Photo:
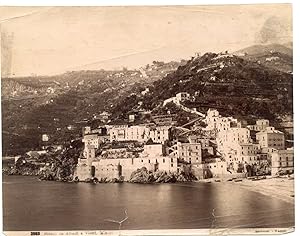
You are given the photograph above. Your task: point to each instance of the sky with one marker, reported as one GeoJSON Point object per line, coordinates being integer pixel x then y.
{"type": "Point", "coordinates": [53, 40]}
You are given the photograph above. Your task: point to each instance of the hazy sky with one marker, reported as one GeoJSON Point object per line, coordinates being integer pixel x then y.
{"type": "Point", "coordinates": [52, 40]}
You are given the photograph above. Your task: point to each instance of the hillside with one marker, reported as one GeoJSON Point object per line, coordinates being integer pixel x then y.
{"type": "Point", "coordinates": [61, 105]}
{"type": "Point", "coordinates": [233, 85]}
{"type": "Point", "coordinates": [32, 106]}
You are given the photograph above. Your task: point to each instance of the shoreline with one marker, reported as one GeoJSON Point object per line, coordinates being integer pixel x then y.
{"type": "Point", "coordinates": [281, 188]}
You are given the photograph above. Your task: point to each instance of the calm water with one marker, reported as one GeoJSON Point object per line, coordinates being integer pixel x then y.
{"type": "Point", "coordinates": [30, 204]}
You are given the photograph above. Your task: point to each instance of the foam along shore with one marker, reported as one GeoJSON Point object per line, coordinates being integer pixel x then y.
{"type": "Point", "coordinates": [279, 187]}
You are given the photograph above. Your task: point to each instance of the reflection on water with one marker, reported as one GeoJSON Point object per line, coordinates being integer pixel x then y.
{"type": "Point", "coordinates": [30, 204]}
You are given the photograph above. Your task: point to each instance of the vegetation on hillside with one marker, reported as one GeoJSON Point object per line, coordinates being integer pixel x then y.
{"type": "Point", "coordinates": [61, 105]}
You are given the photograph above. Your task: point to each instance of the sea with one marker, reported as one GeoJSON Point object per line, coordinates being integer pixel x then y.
{"type": "Point", "coordinates": [30, 204]}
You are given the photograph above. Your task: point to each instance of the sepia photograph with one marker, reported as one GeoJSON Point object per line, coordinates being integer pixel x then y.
{"type": "Point", "coordinates": [147, 120]}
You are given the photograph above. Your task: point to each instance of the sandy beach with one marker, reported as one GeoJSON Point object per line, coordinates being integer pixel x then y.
{"type": "Point", "coordinates": [281, 188]}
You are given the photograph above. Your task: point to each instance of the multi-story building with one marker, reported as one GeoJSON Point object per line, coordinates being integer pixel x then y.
{"type": "Point", "coordinates": [136, 132]}
{"type": "Point", "coordinates": [215, 121]}
{"type": "Point", "coordinates": [225, 123]}
{"type": "Point", "coordinates": [260, 125]}
{"type": "Point", "coordinates": [211, 119]}
{"type": "Point", "coordinates": [271, 138]}
{"type": "Point", "coordinates": [159, 134]}
{"type": "Point", "coordinates": [189, 152]}
{"type": "Point", "coordinates": [231, 139]}
{"type": "Point", "coordinates": [118, 133]}
{"type": "Point", "coordinates": [140, 133]}
{"type": "Point", "coordinates": [207, 146]}
{"type": "Point", "coordinates": [247, 153]}
{"type": "Point", "coordinates": [91, 139]}
{"type": "Point", "coordinates": [282, 162]}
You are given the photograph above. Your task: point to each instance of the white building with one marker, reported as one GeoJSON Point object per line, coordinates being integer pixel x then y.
{"type": "Point", "coordinates": [232, 138]}
{"type": "Point", "coordinates": [140, 133]}
{"type": "Point", "coordinates": [45, 137]}
{"type": "Point", "coordinates": [212, 119]}
{"type": "Point", "coordinates": [118, 133]}
{"type": "Point", "coordinates": [215, 121]}
{"type": "Point", "coordinates": [180, 97]}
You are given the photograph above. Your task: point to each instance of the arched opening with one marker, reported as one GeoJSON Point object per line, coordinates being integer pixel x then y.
{"type": "Point", "coordinates": [93, 171]}
{"type": "Point", "coordinates": [119, 170]}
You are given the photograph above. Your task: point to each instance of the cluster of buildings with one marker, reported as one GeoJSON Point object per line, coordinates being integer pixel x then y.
{"type": "Point", "coordinates": [260, 144]}
{"type": "Point", "coordinates": [114, 151]}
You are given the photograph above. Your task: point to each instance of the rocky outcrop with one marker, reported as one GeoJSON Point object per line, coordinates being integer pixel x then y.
{"type": "Point", "coordinates": [8, 171]}
{"type": "Point", "coordinates": [144, 176]}
{"type": "Point", "coordinates": [102, 180]}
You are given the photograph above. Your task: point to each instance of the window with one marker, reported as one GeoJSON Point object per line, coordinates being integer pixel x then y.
{"type": "Point", "coordinates": [163, 160]}
{"type": "Point", "coordinates": [196, 158]}
{"type": "Point", "coordinates": [171, 165]}
{"type": "Point", "coordinates": [287, 163]}
{"type": "Point", "coordinates": [171, 159]}
{"type": "Point", "coordinates": [149, 161]}
{"type": "Point", "coordinates": [142, 160]}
